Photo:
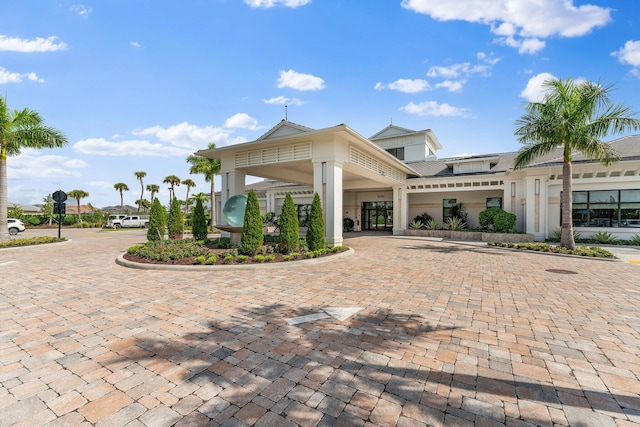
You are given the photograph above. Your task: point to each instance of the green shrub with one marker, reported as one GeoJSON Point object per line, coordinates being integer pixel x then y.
{"type": "Point", "coordinates": [264, 258]}
{"type": "Point", "coordinates": [347, 224]}
{"type": "Point", "coordinates": [199, 259]}
{"type": "Point", "coordinates": [213, 258]}
{"type": "Point", "coordinates": [635, 240]}
{"type": "Point", "coordinates": [504, 222]}
{"type": "Point", "coordinates": [604, 237]}
{"type": "Point", "coordinates": [157, 222]}
{"type": "Point", "coordinates": [200, 224]}
{"type": "Point", "coordinates": [455, 223]}
{"type": "Point", "coordinates": [223, 243]}
{"type": "Point", "coordinates": [289, 229]}
{"type": "Point", "coordinates": [242, 258]}
{"type": "Point", "coordinates": [432, 225]}
{"type": "Point", "coordinates": [169, 250]}
{"type": "Point", "coordinates": [175, 222]}
{"type": "Point", "coordinates": [28, 241]}
{"type": "Point", "coordinates": [415, 225]}
{"type": "Point", "coordinates": [252, 235]}
{"type": "Point", "coordinates": [228, 259]}
{"type": "Point", "coordinates": [486, 217]}
{"type": "Point", "coordinates": [32, 220]}
{"type": "Point", "coordinates": [315, 229]}
{"type": "Point", "coordinates": [423, 218]}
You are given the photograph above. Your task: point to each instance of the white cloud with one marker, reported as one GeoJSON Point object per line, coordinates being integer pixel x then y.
{"type": "Point", "coordinates": [432, 108]}
{"type": "Point", "coordinates": [406, 85]}
{"type": "Point", "coordinates": [282, 100]}
{"type": "Point", "coordinates": [185, 135]}
{"type": "Point", "coordinates": [241, 121]}
{"type": "Point", "coordinates": [519, 23]}
{"type": "Point", "coordinates": [273, 3]}
{"type": "Point", "coordinates": [7, 76]}
{"type": "Point", "coordinates": [135, 44]}
{"type": "Point", "coordinates": [80, 9]}
{"type": "Point", "coordinates": [39, 44]}
{"type": "Point", "coordinates": [300, 81]}
{"type": "Point", "coordinates": [101, 184]}
{"type": "Point", "coordinates": [456, 70]}
{"type": "Point", "coordinates": [534, 92]}
{"type": "Point", "coordinates": [137, 148]}
{"type": "Point", "coordinates": [629, 54]}
{"type": "Point", "coordinates": [452, 85]}
{"type": "Point", "coordinates": [30, 165]}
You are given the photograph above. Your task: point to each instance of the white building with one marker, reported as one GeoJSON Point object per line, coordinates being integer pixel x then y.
{"type": "Point", "coordinates": [384, 181]}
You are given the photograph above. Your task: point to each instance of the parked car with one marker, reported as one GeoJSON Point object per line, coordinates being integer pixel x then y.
{"type": "Point", "coordinates": [15, 226]}
{"type": "Point", "coordinates": [113, 219]}
{"type": "Point", "coordinates": [132, 221]}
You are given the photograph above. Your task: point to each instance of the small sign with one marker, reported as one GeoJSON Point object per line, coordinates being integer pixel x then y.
{"type": "Point", "coordinates": [59, 196]}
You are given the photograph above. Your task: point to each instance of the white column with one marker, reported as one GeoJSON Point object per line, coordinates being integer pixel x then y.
{"type": "Point", "coordinates": [333, 200]}
{"type": "Point", "coordinates": [400, 209]}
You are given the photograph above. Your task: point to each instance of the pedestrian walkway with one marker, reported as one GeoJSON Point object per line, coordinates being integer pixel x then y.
{"type": "Point", "coordinates": [403, 332]}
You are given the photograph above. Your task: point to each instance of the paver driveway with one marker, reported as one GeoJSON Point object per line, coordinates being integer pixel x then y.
{"type": "Point", "coordinates": [448, 335]}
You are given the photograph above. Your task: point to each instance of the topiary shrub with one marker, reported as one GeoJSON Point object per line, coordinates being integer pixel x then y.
{"type": "Point", "coordinates": [200, 224]}
{"type": "Point", "coordinates": [175, 222]}
{"type": "Point", "coordinates": [486, 217]}
{"type": "Point", "coordinates": [347, 224]}
{"type": "Point", "coordinates": [289, 229]}
{"type": "Point", "coordinates": [252, 235]}
{"type": "Point", "coordinates": [315, 229]}
{"type": "Point", "coordinates": [504, 222]}
{"type": "Point", "coordinates": [157, 222]}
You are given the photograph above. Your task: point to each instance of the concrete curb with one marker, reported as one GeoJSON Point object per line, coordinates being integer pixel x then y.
{"type": "Point", "coordinates": [264, 266]}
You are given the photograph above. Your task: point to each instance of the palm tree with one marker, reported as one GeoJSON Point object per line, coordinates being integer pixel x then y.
{"type": "Point", "coordinates": [573, 116]}
{"type": "Point", "coordinates": [121, 187]}
{"type": "Point", "coordinates": [143, 203]}
{"type": "Point", "coordinates": [20, 129]}
{"type": "Point", "coordinates": [140, 175]}
{"type": "Point", "coordinates": [173, 182]}
{"type": "Point", "coordinates": [209, 168]}
{"type": "Point", "coordinates": [190, 184]}
{"type": "Point", "coordinates": [78, 194]}
{"type": "Point", "coordinates": [153, 188]}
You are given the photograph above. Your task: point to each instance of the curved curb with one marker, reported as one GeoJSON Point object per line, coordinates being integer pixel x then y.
{"type": "Point", "coordinates": [258, 266]}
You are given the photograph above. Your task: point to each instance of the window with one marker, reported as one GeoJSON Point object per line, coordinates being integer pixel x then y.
{"type": "Point", "coordinates": [397, 152]}
{"type": "Point", "coordinates": [494, 202]}
{"type": "Point", "coordinates": [448, 207]}
{"type": "Point", "coordinates": [609, 208]}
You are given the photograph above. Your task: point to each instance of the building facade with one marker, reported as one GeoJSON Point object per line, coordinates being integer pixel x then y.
{"type": "Point", "coordinates": [383, 182]}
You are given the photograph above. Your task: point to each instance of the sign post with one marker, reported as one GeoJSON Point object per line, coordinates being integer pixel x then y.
{"type": "Point", "coordinates": [59, 197]}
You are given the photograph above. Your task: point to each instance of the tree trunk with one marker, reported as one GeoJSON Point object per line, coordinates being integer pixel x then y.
{"type": "Point", "coordinates": [567, 240]}
{"type": "Point", "coordinates": [4, 225]}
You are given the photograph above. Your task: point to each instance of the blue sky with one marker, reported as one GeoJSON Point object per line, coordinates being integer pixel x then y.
{"type": "Point", "coordinates": [139, 85]}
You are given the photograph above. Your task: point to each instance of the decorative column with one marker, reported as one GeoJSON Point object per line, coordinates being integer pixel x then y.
{"type": "Point", "coordinates": [232, 184]}
{"type": "Point", "coordinates": [327, 182]}
{"type": "Point", "coordinates": [400, 209]}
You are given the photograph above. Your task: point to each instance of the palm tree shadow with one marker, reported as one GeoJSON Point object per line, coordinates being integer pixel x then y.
{"type": "Point", "coordinates": [256, 347]}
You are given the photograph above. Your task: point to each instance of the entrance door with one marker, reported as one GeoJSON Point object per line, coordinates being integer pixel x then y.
{"type": "Point", "coordinates": [377, 216]}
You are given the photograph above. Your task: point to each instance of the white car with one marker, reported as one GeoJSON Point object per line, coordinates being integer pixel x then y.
{"type": "Point", "coordinates": [15, 226]}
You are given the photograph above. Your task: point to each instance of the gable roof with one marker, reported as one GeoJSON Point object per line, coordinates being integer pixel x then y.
{"type": "Point", "coordinates": [284, 128]}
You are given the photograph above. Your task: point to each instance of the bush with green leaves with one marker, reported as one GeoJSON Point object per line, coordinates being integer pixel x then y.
{"type": "Point", "coordinates": [252, 235]}
{"type": "Point", "coordinates": [175, 223]}
{"type": "Point", "coordinates": [486, 217]}
{"type": "Point", "coordinates": [169, 250]}
{"type": "Point", "coordinates": [315, 229]}
{"type": "Point", "coordinates": [347, 224]}
{"type": "Point", "coordinates": [200, 224]}
{"type": "Point", "coordinates": [604, 238]}
{"type": "Point", "coordinates": [423, 218]}
{"type": "Point", "coordinates": [157, 222]}
{"type": "Point", "coordinates": [589, 251]}
{"type": "Point", "coordinates": [455, 223]}
{"type": "Point", "coordinates": [432, 225]}
{"type": "Point", "coordinates": [415, 225]}
{"type": "Point", "coordinates": [289, 229]}
{"type": "Point", "coordinates": [635, 240]}
{"type": "Point", "coordinates": [504, 222]}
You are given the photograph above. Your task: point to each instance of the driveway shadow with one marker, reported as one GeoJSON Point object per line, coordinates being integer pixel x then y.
{"type": "Point", "coordinates": [255, 356]}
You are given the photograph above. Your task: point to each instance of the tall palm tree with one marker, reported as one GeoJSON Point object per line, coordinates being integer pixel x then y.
{"type": "Point", "coordinates": [121, 187]}
{"type": "Point", "coordinates": [573, 116]}
{"type": "Point", "coordinates": [78, 194]}
{"type": "Point", "coordinates": [209, 168]}
{"type": "Point", "coordinates": [20, 129]}
{"type": "Point", "coordinates": [143, 203]}
{"type": "Point", "coordinates": [140, 175]}
{"type": "Point", "coordinates": [153, 188]}
{"type": "Point", "coordinates": [173, 182]}
{"type": "Point", "coordinates": [190, 184]}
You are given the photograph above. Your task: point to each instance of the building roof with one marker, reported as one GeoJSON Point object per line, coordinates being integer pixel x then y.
{"type": "Point", "coordinates": [628, 148]}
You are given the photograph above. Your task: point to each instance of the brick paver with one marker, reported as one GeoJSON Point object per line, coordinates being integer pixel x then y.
{"type": "Point", "coordinates": [449, 334]}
